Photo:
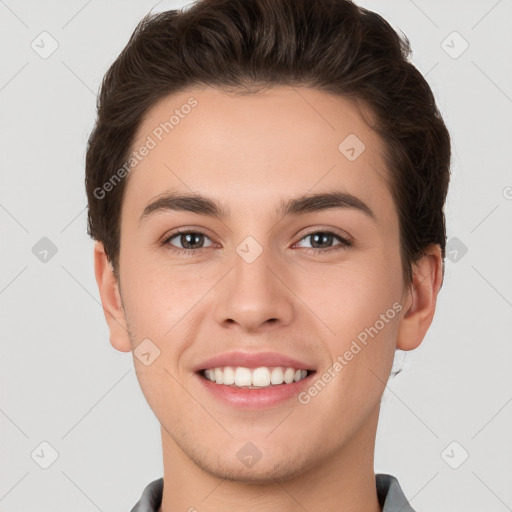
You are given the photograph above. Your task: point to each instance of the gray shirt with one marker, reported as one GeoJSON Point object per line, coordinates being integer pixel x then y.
{"type": "Point", "coordinates": [389, 493]}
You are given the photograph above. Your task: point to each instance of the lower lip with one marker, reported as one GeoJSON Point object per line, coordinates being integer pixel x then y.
{"type": "Point", "coordinates": [256, 398]}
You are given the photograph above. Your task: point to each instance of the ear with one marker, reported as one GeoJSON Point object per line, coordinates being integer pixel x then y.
{"type": "Point", "coordinates": [420, 301]}
{"type": "Point", "coordinates": [111, 300]}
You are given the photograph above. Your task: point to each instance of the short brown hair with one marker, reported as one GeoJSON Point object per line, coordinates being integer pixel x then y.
{"type": "Point", "coordinates": [247, 45]}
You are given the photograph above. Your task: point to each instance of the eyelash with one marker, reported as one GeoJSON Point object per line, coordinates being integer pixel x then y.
{"type": "Point", "coordinates": [190, 252]}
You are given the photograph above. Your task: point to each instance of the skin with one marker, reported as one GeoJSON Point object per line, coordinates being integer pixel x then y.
{"type": "Point", "coordinates": [250, 152]}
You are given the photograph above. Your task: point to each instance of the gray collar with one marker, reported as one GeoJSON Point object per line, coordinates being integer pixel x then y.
{"type": "Point", "coordinates": [389, 493]}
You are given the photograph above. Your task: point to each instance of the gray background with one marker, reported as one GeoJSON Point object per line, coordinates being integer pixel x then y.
{"type": "Point", "coordinates": [63, 384]}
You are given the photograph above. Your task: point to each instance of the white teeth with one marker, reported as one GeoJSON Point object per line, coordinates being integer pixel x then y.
{"type": "Point", "coordinates": [242, 376]}
{"type": "Point", "coordinates": [229, 375]}
{"type": "Point", "coordinates": [276, 377]}
{"type": "Point", "coordinates": [297, 376]}
{"type": "Point", "coordinates": [261, 377]}
{"type": "Point", "coordinates": [288, 375]}
{"type": "Point", "coordinates": [255, 377]}
{"type": "Point", "coordinates": [219, 375]}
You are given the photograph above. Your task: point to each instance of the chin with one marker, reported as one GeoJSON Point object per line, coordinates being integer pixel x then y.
{"type": "Point", "coordinates": [264, 471]}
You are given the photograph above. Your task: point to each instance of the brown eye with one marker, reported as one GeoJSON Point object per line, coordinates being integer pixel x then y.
{"type": "Point", "coordinates": [322, 241]}
{"type": "Point", "coordinates": [189, 241]}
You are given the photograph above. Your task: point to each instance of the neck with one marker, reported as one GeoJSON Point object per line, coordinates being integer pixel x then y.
{"type": "Point", "coordinates": [344, 481]}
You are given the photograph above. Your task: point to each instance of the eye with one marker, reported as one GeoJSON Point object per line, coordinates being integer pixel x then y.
{"type": "Point", "coordinates": [321, 239]}
{"type": "Point", "coordinates": [194, 241]}
{"type": "Point", "coordinates": [190, 241]}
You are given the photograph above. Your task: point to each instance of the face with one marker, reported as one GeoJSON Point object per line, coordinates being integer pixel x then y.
{"type": "Point", "coordinates": [319, 282]}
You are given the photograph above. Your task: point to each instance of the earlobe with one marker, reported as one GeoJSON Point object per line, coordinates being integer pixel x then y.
{"type": "Point", "coordinates": [421, 299]}
{"type": "Point", "coordinates": [111, 300]}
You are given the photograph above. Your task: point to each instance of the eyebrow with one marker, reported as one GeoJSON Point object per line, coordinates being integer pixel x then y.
{"type": "Point", "coordinates": [202, 205]}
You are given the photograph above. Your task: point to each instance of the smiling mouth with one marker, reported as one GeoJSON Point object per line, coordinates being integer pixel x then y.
{"type": "Point", "coordinates": [254, 378]}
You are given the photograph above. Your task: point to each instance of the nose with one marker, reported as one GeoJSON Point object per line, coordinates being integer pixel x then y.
{"type": "Point", "coordinates": [254, 295]}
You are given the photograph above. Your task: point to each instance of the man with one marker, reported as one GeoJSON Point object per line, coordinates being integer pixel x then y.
{"type": "Point", "coordinates": [266, 183]}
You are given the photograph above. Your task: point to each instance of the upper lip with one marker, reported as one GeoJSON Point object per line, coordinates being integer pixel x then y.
{"type": "Point", "coordinates": [252, 360]}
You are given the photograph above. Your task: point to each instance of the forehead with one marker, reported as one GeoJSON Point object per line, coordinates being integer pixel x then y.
{"type": "Point", "coordinates": [254, 147]}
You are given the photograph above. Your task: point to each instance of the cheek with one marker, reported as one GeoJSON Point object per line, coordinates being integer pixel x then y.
{"type": "Point", "coordinates": [162, 303]}
{"type": "Point", "coordinates": [150, 288]}
{"type": "Point", "coordinates": [156, 305]}
{"type": "Point", "coordinates": [361, 307]}
{"type": "Point", "coordinates": [352, 295]}
{"type": "Point", "coordinates": [362, 310]}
